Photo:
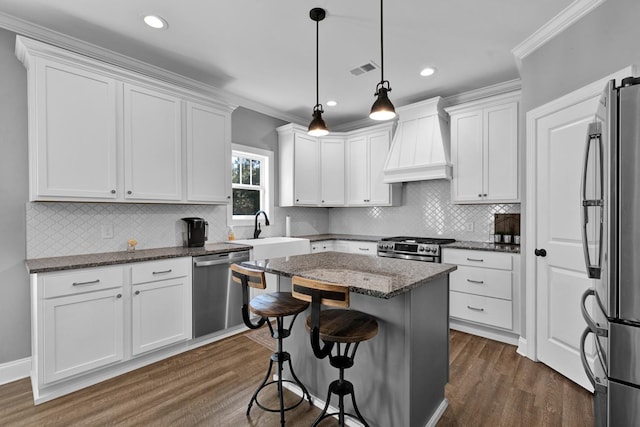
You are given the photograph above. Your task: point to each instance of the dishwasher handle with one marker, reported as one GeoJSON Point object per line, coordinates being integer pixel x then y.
{"type": "Point", "coordinates": [221, 259]}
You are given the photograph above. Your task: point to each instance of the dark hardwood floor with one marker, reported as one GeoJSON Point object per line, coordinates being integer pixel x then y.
{"type": "Point", "coordinates": [490, 385]}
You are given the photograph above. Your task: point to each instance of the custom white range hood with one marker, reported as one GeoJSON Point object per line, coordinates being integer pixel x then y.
{"type": "Point", "coordinates": [420, 149]}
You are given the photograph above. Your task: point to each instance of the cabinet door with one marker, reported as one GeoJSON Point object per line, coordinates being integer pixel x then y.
{"type": "Point", "coordinates": [467, 157]}
{"type": "Point", "coordinates": [379, 192]}
{"type": "Point", "coordinates": [82, 332]}
{"type": "Point", "coordinates": [332, 172]}
{"type": "Point", "coordinates": [73, 154]}
{"type": "Point", "coordinates": [363, 248]}
{"type": "Point", "coordinates": [161, 314]}
{"type": "Point", "coordinates": [307, 170]}
{"type": "Point", "coordinates": [501, 153]}
{"type": "Point", "coordinates": [208, 154]}
{"type": "Point", "coordinates": [358, 171]}
{"type": "Point", "coordinates": [153, 145]}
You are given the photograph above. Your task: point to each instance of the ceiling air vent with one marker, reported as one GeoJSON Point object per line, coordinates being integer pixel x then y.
{"type": "Point", "coordinates": [365, 68]}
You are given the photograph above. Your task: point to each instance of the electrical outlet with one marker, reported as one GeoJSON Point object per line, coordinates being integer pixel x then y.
{"type": "Point", "coordinates": [469, 226]}
{"type": "Point", "coordinates": [107, 231]}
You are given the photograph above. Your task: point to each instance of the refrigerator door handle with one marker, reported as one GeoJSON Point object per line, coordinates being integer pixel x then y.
{"type": "Point", "coordinates": [594, 133]}
{"type": "Point", "coordinates": [595, 382]}
{"type": "Point", "coordinates": [599, 331]}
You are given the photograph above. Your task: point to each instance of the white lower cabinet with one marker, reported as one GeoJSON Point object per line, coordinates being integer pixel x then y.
{"type": "Point", "coordinates": [82, 332]}
{"type": "Point", "coordinates": [92, 318]}
{"type": "Point", "coordinates": [161, 308]}
{"type": "Point", "coordinates": [485, 288]}
{"type": "Point", "coordinates": [346, 246]}
{"type": "Point", "coordinates": [363, 248]}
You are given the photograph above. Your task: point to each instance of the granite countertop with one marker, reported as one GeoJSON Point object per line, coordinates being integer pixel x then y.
{"type": "Point", "coordinates": [369, 275]}
{"type": "Point", "coordinates": [43, 265]}
{"type": "Point", "coordinates": [354, 237]}
{"type": "Point", "coordinates": [484, 246]}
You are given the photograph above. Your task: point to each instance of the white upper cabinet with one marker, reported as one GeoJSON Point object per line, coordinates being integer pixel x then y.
{"type": "Point", "coordinates": [99, 133]}
{"type": "Point", "coordinates": [153, 145]}
{"type": "Point", "coordinates": [208, 154]}
{"type": "Point", "coordinates": [73, 133]}
{"type": "Point", "coordinates": [307, 171]}
{"type": "Point", "coordinates": [484, 150]}
{"type": "Point", "coordinates": [332, 172]}
{"type": "Point", "coordinates": [366, 155]}
{"type": "Point", "coordinates": [343, 169]}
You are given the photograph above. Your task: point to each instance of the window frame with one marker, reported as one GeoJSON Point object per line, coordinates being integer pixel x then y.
{"type": "Point", "coordinates": [267, 179]}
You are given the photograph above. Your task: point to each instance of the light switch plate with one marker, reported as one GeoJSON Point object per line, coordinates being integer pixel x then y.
{"type": "Point", "coordinates": [107, 231]}
{"type": "Point", "coordinates": [469, 226]}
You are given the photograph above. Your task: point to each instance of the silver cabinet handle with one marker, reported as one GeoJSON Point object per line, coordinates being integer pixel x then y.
{"type": "Point", "coordinates": [475, 308]}
{"type": "Point", "coordinates": [162, 272]}
{"type": "Point", "coordinates": [475, 259]}
{"type": "Point", "coordinates": [363, 249]}
{"type": "Point", "coordinates": [86, 283]}
{"type": "Point", "coordinates": [479, 282]}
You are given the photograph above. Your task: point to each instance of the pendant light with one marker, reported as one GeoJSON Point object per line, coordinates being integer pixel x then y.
{"type": "Point", "coordinates": [317, 127]}
{"type": "Point", "coordinates": [382, 108]}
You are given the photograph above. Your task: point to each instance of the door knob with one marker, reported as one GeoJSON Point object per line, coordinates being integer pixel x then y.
{"type": "Point", "coordinates": [540, 252]}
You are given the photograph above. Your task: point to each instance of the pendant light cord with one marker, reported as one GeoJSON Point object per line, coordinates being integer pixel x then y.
{"type": "Point", "coordinates": [381, 44]}
{"type": "Point", "coordinates": [317, 63]}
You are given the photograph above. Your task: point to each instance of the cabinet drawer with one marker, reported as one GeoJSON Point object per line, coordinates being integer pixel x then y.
{"type": "Point", "coordinates": [364, 248]}
{"type": "Point", "coordinates": [481, 281]}
{"type": "Point", "coordinates": [485, 259]}
{"type": "Point", "coordinates": [160, 270]}
{"type": "Point", "coordinates": [490, 311]}
{"type": "Point", "coordinates": [83, 280]}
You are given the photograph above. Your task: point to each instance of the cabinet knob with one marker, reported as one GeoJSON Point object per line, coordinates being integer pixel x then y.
{"type": "Point", "coordinates": [113, 191]}
{"type": "Point", "coordinates": [484, 195]}
{"type": "Point", "coordinates": [119, 296]}
{"type": "Point", "coordinates": [323, 201]}
{"type": "Point", "coordinates": [129, 192]}
{"type": "Point", "coordinates": [228, 197]}
{"type": "Point", "coordinates": [137, 292]}
{"type": "Point", "coordinates": [297, 200]}
{"type": "Point", "coordinates": [479, 195]}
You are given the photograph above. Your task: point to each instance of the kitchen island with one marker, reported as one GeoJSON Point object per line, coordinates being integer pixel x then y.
{"type": "Point", "coordinates": [399, 376]}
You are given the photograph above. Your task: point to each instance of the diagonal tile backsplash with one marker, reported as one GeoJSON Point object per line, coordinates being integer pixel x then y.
{"type": "Point", "coordinates": [58, 229]}
{"type": "Point", "coordinates": [426, 211]}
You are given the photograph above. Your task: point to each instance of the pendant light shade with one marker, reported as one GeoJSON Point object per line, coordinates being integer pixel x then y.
{"type": "Point", "coordinates": [382, 108]}
{"type": "Point", "coordinates": [317, 127]}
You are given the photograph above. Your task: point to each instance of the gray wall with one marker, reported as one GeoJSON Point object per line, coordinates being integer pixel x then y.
{"type": "Point", "coordinates": [15, 341]}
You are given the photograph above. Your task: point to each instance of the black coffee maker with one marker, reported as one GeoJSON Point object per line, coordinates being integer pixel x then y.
{"type": "Point", "coordinates": [197, 232]}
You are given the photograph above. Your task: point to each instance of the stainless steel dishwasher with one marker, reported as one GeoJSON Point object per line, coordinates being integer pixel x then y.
{"type": "Point", "coordinates": [217, 301]}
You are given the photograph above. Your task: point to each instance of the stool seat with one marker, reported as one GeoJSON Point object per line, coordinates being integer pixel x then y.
{"type": "Point", "coordinates": [275, 304]}
{"type": "Point", "coordinates": [345, 326]}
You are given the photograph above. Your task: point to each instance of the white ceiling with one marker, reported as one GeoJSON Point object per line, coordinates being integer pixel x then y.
{"type": "Point", "coordinates": [265, 50]}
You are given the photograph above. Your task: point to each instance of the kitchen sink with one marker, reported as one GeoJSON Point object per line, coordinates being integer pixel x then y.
{"type": "Point", "coordinates": [275, 247]}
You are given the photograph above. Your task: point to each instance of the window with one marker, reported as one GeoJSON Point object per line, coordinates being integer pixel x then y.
{"type": "Point", "coordinates": [251, 183]}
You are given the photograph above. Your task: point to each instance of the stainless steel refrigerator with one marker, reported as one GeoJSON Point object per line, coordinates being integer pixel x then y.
{"type": "Point", "coordinates": [611, 237]}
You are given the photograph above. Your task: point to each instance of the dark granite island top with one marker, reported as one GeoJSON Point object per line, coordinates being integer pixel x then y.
{"type": "Point", "coordinates": [399, 375]}
{"type": "Point", "coordinates": [365, 274]}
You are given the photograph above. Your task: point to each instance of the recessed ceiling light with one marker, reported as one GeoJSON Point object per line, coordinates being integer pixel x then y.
{"type": "Point", "coordinates": [155, 21]}
{"type": "Point", "coordinates": [429, 71]}
{"type": "Point", "coordinates": [331, 103]}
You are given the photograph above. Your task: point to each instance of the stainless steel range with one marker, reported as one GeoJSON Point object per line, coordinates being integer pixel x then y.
{"type": "Point", "coordinates": [415, 248]}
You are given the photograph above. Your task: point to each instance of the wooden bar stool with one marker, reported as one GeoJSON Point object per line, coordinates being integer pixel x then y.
{"type": "Point", "coordinates": [336, 326]}
{"type": "Point", "coordinates": [276, 305]}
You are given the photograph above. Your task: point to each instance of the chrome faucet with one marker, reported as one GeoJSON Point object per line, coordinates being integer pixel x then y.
{"type": "Point", "coordinates": [256, 224]}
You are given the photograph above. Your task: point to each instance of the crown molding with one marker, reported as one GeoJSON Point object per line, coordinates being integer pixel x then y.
{"type": "Point", "coordinates": [509, 86]}
{"type": "Point", "coordinates": [563, 20]}
{"type": "Point", "coordinates": [57, 39]}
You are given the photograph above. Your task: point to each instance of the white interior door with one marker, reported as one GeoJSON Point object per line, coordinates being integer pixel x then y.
{"type": "Point", "coordinates": [561, 274]}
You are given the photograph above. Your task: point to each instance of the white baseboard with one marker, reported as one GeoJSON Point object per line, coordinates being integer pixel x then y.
{"type": "Point", "coordinates": [522, 347]}
{"type": "Point", "coordinates": [15, 370]}
{"type": "Point", "coordinates": [438, 414]}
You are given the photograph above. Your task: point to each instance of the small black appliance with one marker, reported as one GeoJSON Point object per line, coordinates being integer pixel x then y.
{"type": "Point", "coordinates": [197, 232]}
